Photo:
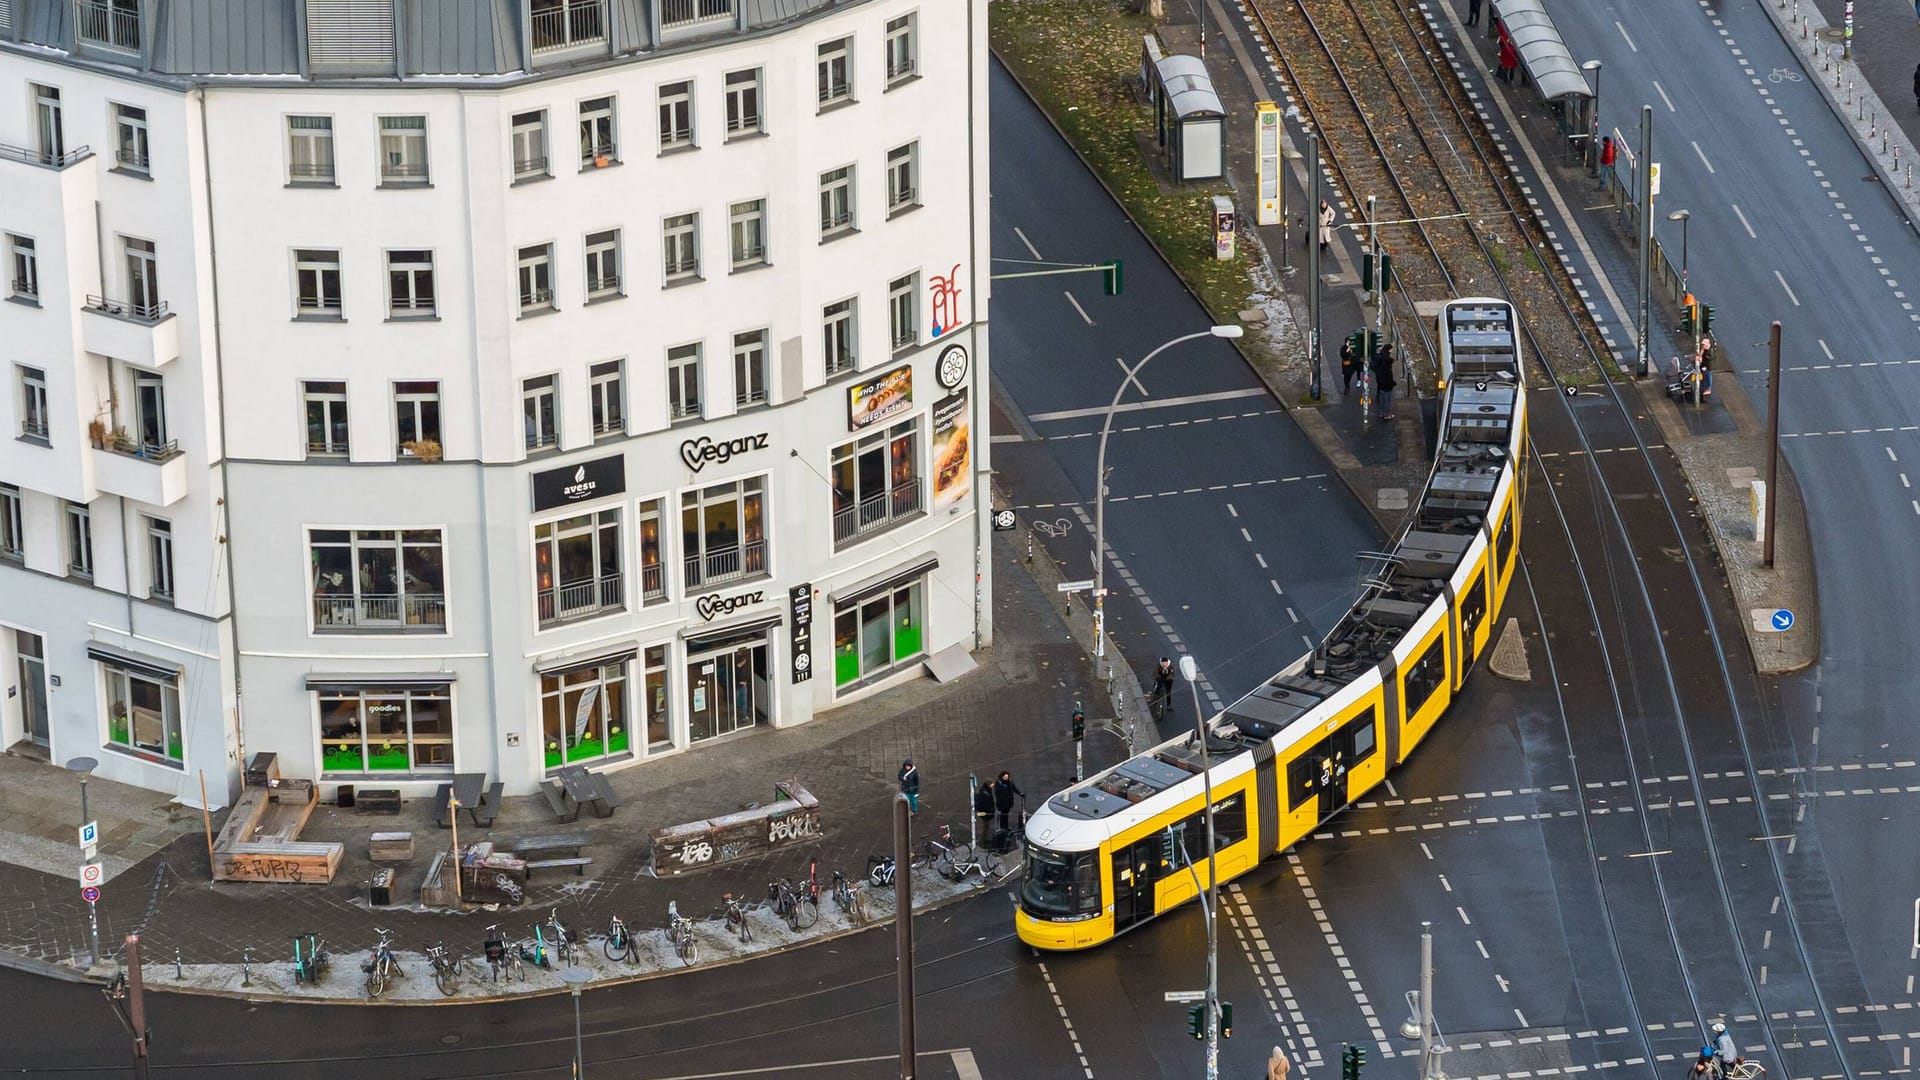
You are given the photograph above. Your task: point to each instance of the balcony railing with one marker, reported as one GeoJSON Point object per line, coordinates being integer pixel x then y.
{"type": "Point", "coordinates": [540, 440]}
{"type": "Point", "coordinates": [675, 14]}
{"type": "Point", "coordinates": [310, 170]}
{"type": "Point", "coordinates": [131, 158]}
{"type": "Point", "coordinates": [127, 309]}
{"type": "Point", "coordinates": [123, 443]}
{"type": "Point", "coordinates": [101, 22]}
{"type": "Point", "coordinates": [877, 512]}
{"type": "Point", "coordinates": [344, 611]}
{"type": "Point", "coordinates": [26, 288]}
{"type": "Point", "coordinates": [34, 427]}
{"type": "Point", "coordinates": [727, 563]}
{"type": "Point", "coordinates": [403, 172]}
{"type": "Point", "coordinates": [562, 24]}
{"type": "Point", "coordinates": [653, 584]}
{"type": "Point", "coordinates": [682, 268]}
{"type": "Point", "coordinates": [603, 286]}
{"type": "Point", "coordinates": [580, 599]}
{"type": "Point", "coordinates": [750, 394]}
{"type": "Point", "coordinates": [27, 156]}
{"type": "Point", "coordinates": [526, 168]}
{"type": "Point", "coordinates": [537, 298]}
{"type": "Point", "coordinates": [598, 153]}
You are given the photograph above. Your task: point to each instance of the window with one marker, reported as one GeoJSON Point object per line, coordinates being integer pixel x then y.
{"type": "Point", "coordinates": [722, 532]}
{"type": "Point", "coordinates": [536, 278]}
{"type": "Point", "coordinates": [680, 245]}
{"type": "Point", "coordinates": [26, 268]}
{"type": "Point", "coordinates": [159, 559]}
{"type": "Point", "coordinates": [49, 129]}
{"type": "Point", "coordinates": [877, 635]}
{"type": "Point", "coordinates": [1503, 544]}
{"type": "Point", "coordinates": [536, 412]}
{"type": "Point", "coordinates": [576, 567]}
{"type": "Point", "coordinates": [143, 712]}
{"type": "Point", "coordinates": [310, 150]}
{"type": "Point", "coordinates": [903, 177]}
{"type": "Point", "coordinates": [609, 398]}
{"type": "Point", "coordinates": [409, 284]}
{"type": "Point", "coordinates": [743, 102]}
{"type": "Point", "coordinates": [903, 317]}
{"type": "Point", "coordinates": [683, 382]}
{"type": "Point", "coordinates": [603, 264]}
{"type": "Point", "coordinates": [326, 405]}
{"type": "Point", "coordinates": [836, 202]}
{"type": "Point", "coordinates": [377, 579]}
{"type": "Point", "coordinates": [1473, 608]}
{"type": "Point", "coordinates": [130, 137]}
{"type": "Point", "coordinates": [143, 278]}
{"type": "Point", "coordinates": [79, 541]}
{"type": "Point", "coordinates": [561, 24]}
{"type": "Point", "coordinates": [34, 417]}
{"type": "Point", "coordinates": [416, 408]}
{"type": "Point", "coordinates": [653, 580]}
{"type": "Point", "coordinates": [316, 280]}
{"type": "Point", "coordinates": [403, 150]}
{"type": "Point", "coordinates": [530, 146]}
{"type": "Point", "coordinates": [750, 368]}
{"type": "Point", "coordinates": [596, 133]}
{"type": "Point", "coordinates": [876, 481]}
{"type": "Point", "coordinates": [13, 533]}
{"type": "Point", "coordinates": [675, 14]}
{"type": "Point", "coordinates": [835, 73]}
{"type": "Point", "coordinates": [676, 115]}
{"type": "Point", "coordinates": [113, 23]}
{"type": "Point", "coordinates": [903, 59]}
{"type": "Point", "coordinates": [747, 222]}
{"type": "Point", "coordinates": [838, 346]}
{"type": "Point", "coordinates": [386, 729]}
{"type": "Point", "coordinates": [583, 714]}
{"type": "Point", "coordinates": [149, 417]}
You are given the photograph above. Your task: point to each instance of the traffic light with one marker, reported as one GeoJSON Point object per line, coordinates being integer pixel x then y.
{"type": "Point", "coordinates": [1366, 271]}
{"type": "Point", "coordinates": [1226, 1019]}
{"type": "Point", "coordinates": [1686, 314]}
{"type": "Point", "coordinates": [1079, 724]}
{"type": "Point", "coordinates": [1351, 1060]}
{"type": "Point", "coordinates": [1706, 318]}
{"type": "Point", "coordinates": [1197, 1021]}
{"type": "Point", "coordinates": [1110, 278]}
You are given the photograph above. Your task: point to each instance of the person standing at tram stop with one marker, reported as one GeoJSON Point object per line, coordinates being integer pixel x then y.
{"type": "Point", "coordinates": [910, 785]}
{"type": "Point", "coordinates": [983, 812]}
{"type": "Point", "coordinates": [1004, 789]}
{"type": "Point", "coordinates": [1705, 359]}
{"type": "Point", "coordinates": [1509, 59]}
{"type": "Point", "coordinates": [1349, 366]}
{"type": "Point", "coordinates": [1383, 381]}
{"type": "Point", "coordinates": [1326, 225]}
{"type": "Point", "coordinates": [1473, 12]}
{"type": "Point", "coordinates": [1607, 155]}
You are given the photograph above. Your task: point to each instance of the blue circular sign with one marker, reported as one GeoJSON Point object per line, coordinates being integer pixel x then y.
{"type": "Point", "coordinates": [91, 894]}
{"type": "Point", "coordinates": [1782, 619]}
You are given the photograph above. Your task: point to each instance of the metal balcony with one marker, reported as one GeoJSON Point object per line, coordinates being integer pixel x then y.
{"type": "Point", "coordinates": [154, 475]}
{"type": "Point", "coordinates": [877, 513]}
{"type": "Point", "coordinates": [143, 334]}
{"type": "Point", "coordinates": [722, 565]}
{"type": "Point", "coordinates": [28, 156]}
{"type": "Point", "coordinates": [580, 600]}
{"type": "Point", "coordinates": [344, 612]}
{"type": "Point", "coordinates": [678, 14]}
{"type": "Point", "coordinates": [114, 24]}
{"type": "Point", "coordinates": [566, 24]}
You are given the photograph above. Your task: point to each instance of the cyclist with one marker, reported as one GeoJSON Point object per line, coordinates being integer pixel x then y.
{"type": "Point", "coordinates": [1163, 688]}
{"type": "Point", "coordinates": [1719, 1057]}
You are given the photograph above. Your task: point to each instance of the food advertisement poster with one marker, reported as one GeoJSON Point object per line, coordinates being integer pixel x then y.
{"type": "Point", "coordinates": [891, 394]}
{"type": "Point", "coordinates": [952, 450]}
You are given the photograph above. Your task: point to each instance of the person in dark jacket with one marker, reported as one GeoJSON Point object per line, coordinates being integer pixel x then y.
{"type": "Point", "coordinates": [1163, 689]}
{"type": "Point", "coordinates": [1383, 380]}
{"type": "Point", "coordinates": [1004, 789]}
{"type": "Point", "coordinates": [1349, 366]}
{"type": "Point", "coordinates": [910, 785]}
{"type": "Point", "coordinates": [1916, 85]}
{"type": "Point", "coordinates": [983, 813]}
{"type": "Point", "coordinates": [1473, 12]}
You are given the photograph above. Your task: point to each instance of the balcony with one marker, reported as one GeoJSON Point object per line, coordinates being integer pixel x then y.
{"type": "Point", "coordinates": [681, 14]}
{"type": "Point", "coordinates": [653, 584]}
{"type": "Point", "coordinates": [338, 613]}
{"type": "Point", "coordinates": [876, 513]}
{"type": "Point", "coordinates": [143, 334]}
{"type": "Point", "coordinates": [155, 475]}
{"type": "Point", "coordinates": [580, 600]}
{"type": "Point", "coordinates": [568, 24]}
{"type": "Point", "coordinates": [27, 156]}
{"type": "Point", "coordinates": [721, 565]}
{"type": "Point", "coordinates": [112, 24]}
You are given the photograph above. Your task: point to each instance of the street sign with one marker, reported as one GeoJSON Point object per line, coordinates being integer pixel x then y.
{"type": "Point", "coordinates": [91, 894]}
{"type": "Point", "coordinates": [1186, 997]}
{"type": "Point", "coordinates": [1782, 619]}
{"type": "Point", "coordinates": [1003, 520]}
{"type": "Point", "coordinates": [1074, 586]}
{"type": "Point", "coordinates": [89, 834]}
{"type": "Point", "coordinates": [92, 873]}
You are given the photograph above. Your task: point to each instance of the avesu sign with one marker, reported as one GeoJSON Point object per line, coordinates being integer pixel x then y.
{"type": "Point", "coordinates": [581, 486]}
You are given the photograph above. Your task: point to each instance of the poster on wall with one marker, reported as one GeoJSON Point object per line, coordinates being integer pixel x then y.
{"type": "Point", "coordinates": [877, 399]}
{"type": "Point", "coordinates": [952, 450]}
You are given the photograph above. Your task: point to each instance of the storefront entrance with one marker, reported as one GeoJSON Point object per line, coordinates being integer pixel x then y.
{"type": "Point", "coordinates": [727, 686]}
{"type": "Point", "coordinates": [33, 686]}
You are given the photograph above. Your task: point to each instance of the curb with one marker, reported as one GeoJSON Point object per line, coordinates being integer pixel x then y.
{"type": "Point", "coordinates": [33, 965]}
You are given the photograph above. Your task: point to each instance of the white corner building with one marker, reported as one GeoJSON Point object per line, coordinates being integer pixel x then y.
{"type": "Point", "coordinates": [412, 387]}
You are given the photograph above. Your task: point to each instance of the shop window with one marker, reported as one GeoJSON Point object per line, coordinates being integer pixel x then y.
{"type": "Point", "coordinates": [876, 482]}
{"type": "Point", "coordinates": [576, 567]}
{"type": "Point", "coordinates": [143, 714]}
{"type": "Point", "coordinates": [584, 714]}
{"type": "Point", "coordinates": [386, 729]}
{"type": "Point", "coordinates": [723, 530]}
{"type": "Point", "coordinates": [377, 579]}
{"type": "Point", "coordinates": [653, 578]}
{"type": "Point", "coordinates": [659, 716]}
{"type": "Point", "coordinates": [877, 635]}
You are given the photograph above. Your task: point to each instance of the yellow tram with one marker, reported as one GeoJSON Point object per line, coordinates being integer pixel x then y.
{"type": "Point", "coordinates": [1121, 847]}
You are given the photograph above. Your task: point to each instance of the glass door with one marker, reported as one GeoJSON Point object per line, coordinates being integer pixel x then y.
{"type": "Point", "coordinates": [143, 278]}
{"type": "Point", "coordinates": [150, 407]}
{"type": "Point", "coordinates": [33, 684]}
{"type": "Point", "coordinates": [729, 690]}
{"type": "Point", "coordinates": [53, 142]}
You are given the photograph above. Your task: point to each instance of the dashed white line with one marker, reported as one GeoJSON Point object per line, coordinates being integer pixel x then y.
{"type": "Point", "coordinates": [1823, 347]}
{"type": "Point", "coordinates": [1031, 250]}
{"type": "Point", "coordinates": [1782, 278]}
{"type": "Point", "coordinates": [1086, 318]}
{"type": "Point", "coordinates": [1662, 91]}
{"type": "Point", "coordinates": [1625, 35]}
{"type": "Point", "coordinates": [1066, 1021]}
{"type": "Point", "coordinates": [1703, 157]}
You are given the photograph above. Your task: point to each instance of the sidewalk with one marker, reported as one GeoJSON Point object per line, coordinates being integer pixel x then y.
{"type": "Point", "coordinates": [1010, 713]}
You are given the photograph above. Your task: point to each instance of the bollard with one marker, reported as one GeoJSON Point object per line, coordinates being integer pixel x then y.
{"type": "Point", "coordinates": [1029, 546]}
{"type": "Point", "coordinates": [177, 973]}
{"type": "Point", "coordinates": [246, 972]}
{"type": "Point", "coordinates": [1909, 176]}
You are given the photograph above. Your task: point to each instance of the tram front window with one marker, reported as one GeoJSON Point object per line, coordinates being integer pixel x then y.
{"type": "Point", "coordinates": [1061, 885]}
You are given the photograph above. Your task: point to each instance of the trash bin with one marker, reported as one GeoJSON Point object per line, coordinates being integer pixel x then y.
{"type": "Point", "coordinates": [380, 889]}
{"type": "Point", "coordinates": [343, 798]}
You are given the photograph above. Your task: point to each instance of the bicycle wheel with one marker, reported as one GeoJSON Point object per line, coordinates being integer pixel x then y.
{"type": "Point", "coordinates": [376, 982]}
{"type": "Point", "coordinates": [613, 952]}
{"type": "Point", "coordinates": [448, 981]}
{"type": "Point", "coordinates": [961, 854]}
{"type": "Point", "coordinates": [805, 914]}
{"type": "Point", "coordinates": [687, 947]}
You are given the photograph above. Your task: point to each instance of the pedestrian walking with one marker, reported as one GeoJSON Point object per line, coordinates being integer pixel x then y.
{"type": "Point", "coordinates": [1473, 12]}
{"type": "Point", "coordinates": [983, 813]}
{"type": "Point", "coordinates": [1004, 790]}
{"type": "Point", "coordinates": [1163, 689]}
{"type": "Point", "coordinates": [1326, 225]}
{"type": "Point", "coordinates": [1607, 153]}
{"type": "Point", "coordinates": [1349, 365]}
{"type": "Point", "coordinates": [1705, 359]}
{"type": "Point", "coordinates": [910, 785]}
{"type": "Point", "coordinates": [1383, 381]}
{"type": "Point", "coordinates": [1916, 85]}
{"type": "Point", "coordinates": [1509, 60]}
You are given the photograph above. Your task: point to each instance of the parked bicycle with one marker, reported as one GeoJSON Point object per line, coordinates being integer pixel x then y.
{"type": "Point", "coordinates": [619, 944]}
{"type": "Point", "coordinates": [736, 915]}
{"type": "Point", "coordinates": [540, 951]}
{"type": "Point", "coordinates": [680, 932]}
{"type": "Point", "coordinates": [381, 967]}
{"type": "Point", "coordinates": [851, 896]}
{"type": "Point", "coordinates": [446, 968]}
{"type": "Point", "coordinates": [561, 940]}
{"type": "Point", "coordinates": [503, 956]}
{"type": "Point", "coordinates": [880, 871]}
{"type": "Point", "coordinates": [811, 892]}
{"type": "Point", "coordinates": [942, 852]}
{"type": "Point", "coordinates": [980, 862]}
{"type": "Point", "coordinates": [790, 903]}
{"type": "Point", "coordinates": [310, 958]}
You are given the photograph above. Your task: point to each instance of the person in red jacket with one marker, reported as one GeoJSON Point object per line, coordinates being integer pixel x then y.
{"type": "Point", "coordinates": [1509, 60]}
{"type": "Point", "coordinates": [1607, 154]}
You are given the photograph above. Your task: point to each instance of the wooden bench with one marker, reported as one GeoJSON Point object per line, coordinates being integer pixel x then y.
{"type": "Point", "coordinates": [489, 807]}
{"type": "Point", "coordinates": [377, 800]}
{"type": "Point", "coordinates": [578, 862]}
{"type": "Point", "coordinates": [564, 851]}
{"type": "Point", "coordinates": [437, 889]}
{"type": "Point", "coordinates": [292, 791]}
{"type": "Point", "coordinates": [567, 812]}
{"type": "Point", "coordinates": [390, 847]}
{"type": "Point", "coordinates": [294, 862]}
{"type": "Point", "coordinates": [603, 800]}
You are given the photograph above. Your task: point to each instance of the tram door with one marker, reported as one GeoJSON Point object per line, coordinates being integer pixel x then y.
{"type": "Point", "coordinates": [1337, 753]}
{"type": "Point", "coordinates": [1133, 877]}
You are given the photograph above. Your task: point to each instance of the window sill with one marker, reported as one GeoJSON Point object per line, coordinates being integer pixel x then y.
{"type": "Point", "coordinates": [35, 440]}
{"type": "Point", "coordinates": [404, 185]}
{"type": "Point", "coordinates": [605, 298]}
{"type": "Point", "coordinates": [679, 148]}
{"type": "Point", "coordinates": [751, 406]}
{"type": "Point", "coordinates": [836, 105]}
{"type": "Point", "coordinates": [902, 211]}
{"type": "Point", "coordinates": [582, 619]}
{"type": "Point", "coordinates": [902, 350]}
{"type": "Point", "coordinates": [535, 313]}
{"type": "Point", "coordinates": [748, 268]}
{"type": "Point", "coordinates": [896, 81]}
{"type": "Point", "coordinates": [841, 233]}
{"type": "Point", "coordinates": [25, 299]}
{"type": "Point", "coordinates": [367, 776]}
{"type": "Point", "coordinates": [530, 178]}
{"type": "Point", "coordinates": [682, 421]}
{"type": "Point", "coordinates": [589, 166]}
{"type": "Point", "coordinates": [147, 756]}
{"type": "Point", "coordinates": [318, 317]}
{"type": "Point", "coordinates": [132, 172]}
{"type": "Point", "coordinates": [747, 135]}
{"type": "Point", "coordinates": [849, 373]}
{"type": "Point", "coordinates": [413, 318]}
{"type": "Point", "coordinates": [327, 456]}
{"type": "Point", "coordinates": [689, 279]}
{"type": "Point", "coordinates": [711, 585]}
{"type": "Point", "coordinates": [608, 436]}
{"type": "Point", "coordinates": [380, 631]}
{"type": "Point", "coordinates": [317, 185]}
{"type": "Point", "coordinates": [543, 450]}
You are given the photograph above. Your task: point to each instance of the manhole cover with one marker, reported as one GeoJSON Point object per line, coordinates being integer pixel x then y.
{"type": "Point", "coordinates": [449, 1039]}
{"type": "Point", "coordinates": [1834, 33]}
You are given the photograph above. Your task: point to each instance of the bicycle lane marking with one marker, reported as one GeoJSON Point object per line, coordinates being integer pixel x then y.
{"type": "Point", "coordinates": [1066, 1021]}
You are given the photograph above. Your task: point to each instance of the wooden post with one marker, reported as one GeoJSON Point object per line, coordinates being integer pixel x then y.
{"type": "Point", "coordinates": [453, 820]}
{"type": "Point", "coordinates": [206, 820]}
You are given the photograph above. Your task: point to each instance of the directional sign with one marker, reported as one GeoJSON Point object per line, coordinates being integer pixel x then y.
{"type": "Point", "coordinates": [1073, 586]}
{"type": "Point", "coordinates": [1782, 619]}
{"type": "Point", "coordinates": [92, 873]}
{"type": "Point", "coordinates": [91, 894]}
{"type": "Point", "coordinates": [1185, 997]}
{"type": "Point", "coordinates": [1004, 520]}
{"type": "Point", "coordinates": [89, 834]}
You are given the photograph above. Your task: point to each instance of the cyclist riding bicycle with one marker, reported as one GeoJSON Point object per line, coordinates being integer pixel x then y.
{"type": "Point", "coordinates": [1719, 1056]}
{"type": "Point", "coordinates": [1163, 686]}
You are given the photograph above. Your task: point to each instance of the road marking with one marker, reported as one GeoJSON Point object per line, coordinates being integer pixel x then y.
{"type": "Point", "coordinates": [1624, 34]}
{"type": "Point", "coordinates": [1824, 349]}
{"type": "Point", "coordinates": [1658, 88]}
{"type": "Point", "coordinates": [1782, 278]}
{"type": "Point", "coordinates": [1133, 376]}
{"type": "Point", "coordinates": [1260, 957]}
{"type": "Point", "coordinates": [1890, 454]}
{"type": "Point", "coordinates": [1703, 157]}
{"type": "Point", "coordinates": [1743, 221]}
{"type": "Point", "coordinates": [1086, 318]}
{"type": "Point", "coordinates": [1340, 956]}
{"type": "Point", "coordinates": [1031, 250]}
{"type": "Point", "coordinates": [1163, 403]}
{"type": "Point", "coordinates": [1066, 1021]}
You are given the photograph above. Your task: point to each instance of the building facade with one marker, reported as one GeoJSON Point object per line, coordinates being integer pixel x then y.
{"type": "Point", "coordinates": [416, 386]}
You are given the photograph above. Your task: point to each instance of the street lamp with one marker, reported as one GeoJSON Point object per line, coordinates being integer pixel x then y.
{"type": "Point", "coordinates": [1190, 671]}
{"type": "Point", "coordinates": [1681, 216]}
{"type": "Point", "coordinates": [1100, 493]}
{"type": "Point", "coordinates": [84, 766]}
{"type": "Point", "coordinates": [1593, 126]}
{"type": "Point", "coordinates": [1693, 309]}
{"type": "Point", "coordinates": [576, 978]}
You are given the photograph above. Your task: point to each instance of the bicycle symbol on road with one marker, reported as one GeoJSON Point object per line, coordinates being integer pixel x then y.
{"type": "Point", "coordinates": [1783, 75]}
{"type": "Point", "coordinates": [1056, 529]}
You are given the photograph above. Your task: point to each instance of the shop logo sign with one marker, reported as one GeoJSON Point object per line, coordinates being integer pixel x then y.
{"type": "Point", "coordinates": [581, 486]}
{"type": "Point", "coordinates": [697, 452]}
{"type": "Point", "coordinates": [589, 480]}
{"type": "Point", "coordinates": [714, 605]}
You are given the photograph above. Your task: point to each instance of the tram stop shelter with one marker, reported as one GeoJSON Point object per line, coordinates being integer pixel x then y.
{"type": "Point", "coordinates": [1189, 122]}
{"type": "Point", "coordinates": [1546, 61]}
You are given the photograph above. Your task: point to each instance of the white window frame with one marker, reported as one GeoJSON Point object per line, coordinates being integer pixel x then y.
{"type": "Point", "coordinates": [684, 390]}
{"type": "Point", "coordinates": [903, 311]}
{"type": "Point", "coordinates": [833, 72]}
{"type": "Point", "coordinates": [540, 412]}
{"type": "Point", "coordinates": [744, 113]}
{"type": "Point", "coordinates": [676, 115]}
{"type": "Point", "coordinates": [535, 279]}
{"type": "Point", "coordinates": [602, 264]}
{"type": "Point", "coordinates": [747, 233]}
{"type": "Point", "coordinates": [859, 513]}
{"type": "Point", "coordinates": [13, 533]}
{"type": "Point", "coordinates": [837, 203]}
{"type": "Point", "coordinates": [748, 556]}
{"type": "Point", "coordinates": [170, 718]}
{"type": "Point", "coordinates": [653, 579]}
{"type": "Point", "coordinates": [407, 701]}
{"type": "Point", "coordinates": [840, 336]}
{"type": "Point", "coordinates": [680, 247]}
{"type": "Point", "coordinates": [415, 402]}
{"type": "Point", "coordinates": [903, 48]}
{"type": "Point", "coordinates": [750, 368]}
{"type": "Point", "coordinates": [23, 265]}
{"type": "Point", "coordinates": [528, 143]}
{"type": "Point", "coordinates": [599, 132]}
{"type": "Point", "coordinates": [412, 603]}
{"type": "Point", "coordinates": [131, 148]}
{"type": "Point", "coordinates": [400, 133]}
{"type": "Point", "coordinates": [607, 388]}
{"type": "Point", "coordinates": [79, 532]}
{"type": "Point", "coordinates": [602, 585]}
{"type": "Point", "coordinates": [903, 178]}
{"type": "Point", "coordinates": [317, 264]}
{"type": "Point", "coordinates": [333, 410]}
{"type": "Point", "coordinates": [35, 421]}
{"type": "Point", "coordinates": [159, 558]}
{"type": "Point", "coordinates": [313, 142]}
{"type": "Point", "coordinates": [417, 265]}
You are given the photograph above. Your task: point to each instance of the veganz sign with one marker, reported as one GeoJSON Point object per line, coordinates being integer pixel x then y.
{"type": "Point", "coordinates": [589, 480]}
{"type": "Point", "coordinates": [714, 605]}
{"type": "Point", "coordinates": [697, 452]}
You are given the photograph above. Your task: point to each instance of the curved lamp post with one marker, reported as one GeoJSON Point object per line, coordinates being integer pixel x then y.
{"type": "Point", "coordinates": [1190, 671]}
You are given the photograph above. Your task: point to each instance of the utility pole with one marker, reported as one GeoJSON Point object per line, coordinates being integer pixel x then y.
{"type": "Point", "coordinates": [1773, 437]}
{"type": "Point", "coordinates": [1191, 672]}
{"type": "Point", "coordinates": [903, 933]}
{"type": "Point", "coordinates": [129, 987]}
{"type": "Point", "coordinates": [1646, 227]}
{"type": "Point", "coordinates": [1313, 260]}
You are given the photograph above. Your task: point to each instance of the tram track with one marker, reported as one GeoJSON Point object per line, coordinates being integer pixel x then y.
{"type": "Point", "coordinates": [1661, 716]}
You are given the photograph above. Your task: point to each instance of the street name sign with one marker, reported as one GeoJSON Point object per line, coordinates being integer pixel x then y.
{"type": "Point", "coordinates": [1074, 586]}
{"type": "Point", "coordinates": [1186, 997]}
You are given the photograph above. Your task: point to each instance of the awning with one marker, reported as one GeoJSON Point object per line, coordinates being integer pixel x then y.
{"type": "Point", "coordinates": [138, 663]}
{"type": "Point", "coordinates": [879, 583]}
{"type": "Point", "coordinates": [561, 665]}
{"type": "Point", "coordinates": [328, 680]}
{"type": "Point", "coordinates": [1537, 41]}
{"type": "Point", "coordinates": [708, 637]}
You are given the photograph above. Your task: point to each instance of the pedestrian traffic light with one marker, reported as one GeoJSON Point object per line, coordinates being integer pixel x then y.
{"type": "Point", "coordinates": [1351, 1059]}
{"type": "Point", "coordinates": [1226, 1019]}
{"type": "Point", "coordinates": [1079, 724]}
{"type": "Point", "coordinates": [1197, 1021]}
{"type": "Point", "coordinates": [1110, 278]}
